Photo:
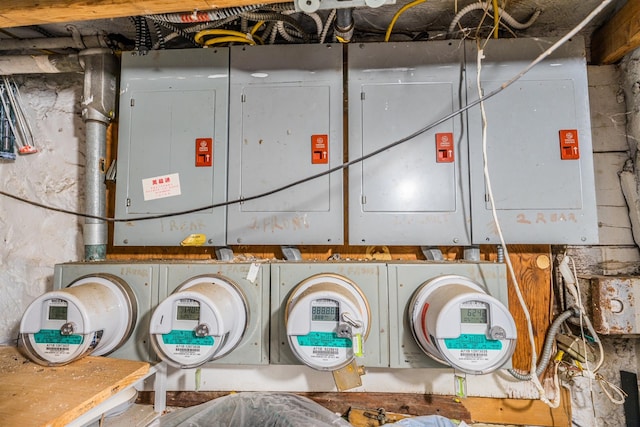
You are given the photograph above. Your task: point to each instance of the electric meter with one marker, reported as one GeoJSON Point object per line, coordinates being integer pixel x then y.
{"type": "Point", "coordinates": [93, 315]}
{"type": "Point", "coordinates": [456, 322]}
{"type": "Point", "coordinates": [203, 320]}
{"type": "Point", "coordinates": [327, 319]}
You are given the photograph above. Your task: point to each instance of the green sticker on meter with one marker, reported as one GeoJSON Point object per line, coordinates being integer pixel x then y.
{"type": "Point", "coordinates": [324, 339]}
{"type": "Point", "coordinates": [186, 338]}
{"type": "Point", "coordinates": [53, 336]}
{"type": "Point", "coordinates": [472, 342]}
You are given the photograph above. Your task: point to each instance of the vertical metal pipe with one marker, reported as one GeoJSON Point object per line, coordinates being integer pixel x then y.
{"type": "Point", "coordinates": [98, 107]}
{"type": "Point", "coordinates": [344, 25]}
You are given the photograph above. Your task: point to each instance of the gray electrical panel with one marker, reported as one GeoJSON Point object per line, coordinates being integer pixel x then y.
{"type": "Point", "coordinates": [172, 147]}
{"type": "Point", "coordinates": [418, 191]}
{"type": "Point", "coordinates": [538, 143]}
{"type": "Point", "coordinates": [405, 278]}
{"type": "Point", "coordinates": [285, 125]}
{"type": "Point", "coordinates": [141, 278]}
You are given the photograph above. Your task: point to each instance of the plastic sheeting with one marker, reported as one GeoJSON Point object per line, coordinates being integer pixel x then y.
{"type": "Point", "coordinates": [254, 409]}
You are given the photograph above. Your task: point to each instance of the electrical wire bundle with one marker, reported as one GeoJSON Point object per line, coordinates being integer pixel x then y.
{"type": "Point", "coordinates": [254, 24]}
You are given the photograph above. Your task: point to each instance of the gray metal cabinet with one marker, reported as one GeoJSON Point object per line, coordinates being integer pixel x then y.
{"type": "Point", "coordinates": [285, 125]}
{"type": "Point", "coordinates": [538, 145]}
{"type": "Point", "coordinates": [172, 149]}
{"type": "Point", "coordinates": [416, 192]}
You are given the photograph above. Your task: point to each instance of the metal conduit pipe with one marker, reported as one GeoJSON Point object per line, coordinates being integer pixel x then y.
{"type": "Point", "coordinates": [52, 43]}
{"type": "Point", "coordinates": [344, 25]}
{"type": "Point", "coordinates": [98, 109]}
{"type": "Point", "coordinates": [39, 64]}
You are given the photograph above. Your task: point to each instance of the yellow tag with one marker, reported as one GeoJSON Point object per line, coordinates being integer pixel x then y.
{"type": "Point", "coordinates": [460, 385]}
{"type": "Point", "coordinates": [194, 240]}
{"type": "Point", "coordinates": [357, 345]}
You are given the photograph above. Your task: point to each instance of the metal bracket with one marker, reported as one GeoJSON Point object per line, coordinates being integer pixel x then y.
{"type": "Point", "coordinates": [224, 253]}
{"type": "Point", "coordinates": [432, 253]}
{"type": "Point", "coordinates": [291, 253]}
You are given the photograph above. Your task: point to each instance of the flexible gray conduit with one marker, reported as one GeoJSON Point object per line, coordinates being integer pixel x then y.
{"type": "Point", "coordinates": [275, 16]}
{"type": "Point", "coordinates": [545, 357]}
{"type": "Point", "coordinates": [504, 16]}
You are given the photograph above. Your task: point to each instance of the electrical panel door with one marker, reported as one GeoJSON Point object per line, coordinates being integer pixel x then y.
{"type": "Point", "coordinates": [538, 145]}
{"type": "Point", "coordinates": [172, 149]}
{"type": "Point", "coordinates": [285, 126]}
{"type": "Point", "coordinates": [417, 191]}
{"type": "Point", "coordinates": [141, 278]}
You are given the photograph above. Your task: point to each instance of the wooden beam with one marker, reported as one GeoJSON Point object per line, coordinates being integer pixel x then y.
{"type": "Point", "coordinates": [617, 37]}
{"type": "Point", "coordinates": [18, 13]}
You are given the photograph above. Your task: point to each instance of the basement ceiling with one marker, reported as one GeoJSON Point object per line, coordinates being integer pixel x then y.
{"type": "Point", "coordinates": [21, 19]}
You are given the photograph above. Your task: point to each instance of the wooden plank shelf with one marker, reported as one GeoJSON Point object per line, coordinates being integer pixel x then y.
{"type": "Point", "coordinates": [34, 395]}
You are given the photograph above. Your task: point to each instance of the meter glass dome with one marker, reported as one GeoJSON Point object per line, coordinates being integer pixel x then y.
{"type": "Point", "coordinates": [455, 322]}
{"type": "Point", "coordinates": [203, 320]}
{"type": "Point", "coordinates": [327, 319]}
{"type": "Point", "coordinates": [94, 315]}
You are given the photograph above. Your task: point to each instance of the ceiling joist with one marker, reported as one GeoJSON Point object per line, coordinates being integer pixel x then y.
{"type": "Point", "coordinates": [18, 13]}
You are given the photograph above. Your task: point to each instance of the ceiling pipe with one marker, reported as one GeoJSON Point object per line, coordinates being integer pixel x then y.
{"type": "Point", "coordinates": [39, 64]}
{"type": "Point", "coordinates": [98, 110]}
{"type": "Point", "coordinates": [47, 43]}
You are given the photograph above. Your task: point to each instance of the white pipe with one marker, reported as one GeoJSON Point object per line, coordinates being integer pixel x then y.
{"type": "Point", "coordinates": [51, 43]}
{"type": "Point", "coordinates": [39, 64]}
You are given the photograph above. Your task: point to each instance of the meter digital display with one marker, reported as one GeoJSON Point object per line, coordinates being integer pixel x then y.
{"type": "Point", "coordinates": [323, 313]}
{"type": "Point", "coordinates": [473, 315]}
{"type": "Point", "coordinates": [188, 312]}
{"type": "Point", "coordinates": [57, 312]}
{"type": "Point", "coordinates": [457, 323]}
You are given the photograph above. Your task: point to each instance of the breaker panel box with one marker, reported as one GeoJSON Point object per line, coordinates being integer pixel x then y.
{"type": "Point", "coordinates": [252, 282]}
{"type": "Point", "coordinates": [369, 278]}
{"type": "Point", "coordinates": [416, 192]}
{"type": "Point", "coordinates": [285, 125]}
{"type": "Point", "coordinates": [404, 281]}
{"type": "Point", "coordinates": [172, 147]}
{"type": "Point", "coordinates": [141, 278]}
{"type": "Point", "coordinates": [539, 148]}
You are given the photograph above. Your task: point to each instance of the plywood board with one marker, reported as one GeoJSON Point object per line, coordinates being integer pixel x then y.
{"type": "Point", "coordinates": [34, 395]}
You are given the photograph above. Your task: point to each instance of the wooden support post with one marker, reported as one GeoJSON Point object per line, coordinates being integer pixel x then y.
{"type": "Point", "coordinates": [617, 37]}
